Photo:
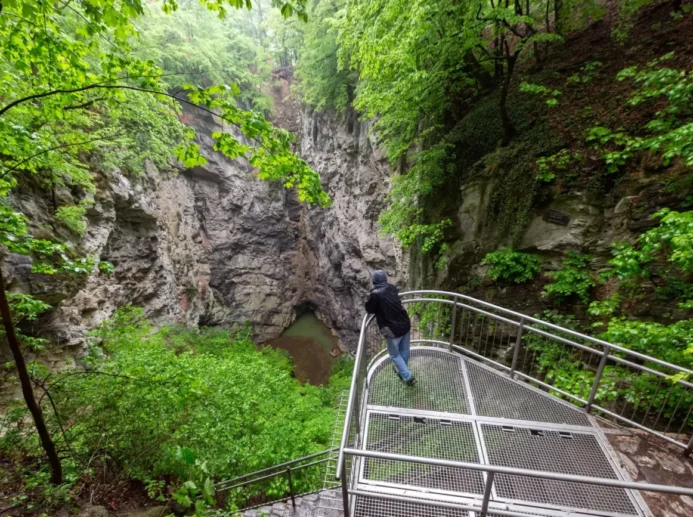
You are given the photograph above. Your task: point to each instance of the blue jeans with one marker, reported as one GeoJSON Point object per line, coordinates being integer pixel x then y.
{"type": "Point", "coordinates": [398, 347]}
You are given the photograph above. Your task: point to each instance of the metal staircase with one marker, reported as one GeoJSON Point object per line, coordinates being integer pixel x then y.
{"type": "Point", "coordinates": [491, 428]}
{"type": "Point", "coordinates": [330, 479]}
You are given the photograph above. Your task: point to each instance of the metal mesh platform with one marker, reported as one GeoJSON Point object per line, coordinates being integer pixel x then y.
{"type": "Point", "coordinates": [439, 383]}
{"type": "Point", "coordinates": [373, 507]}
{"type": "Point", "coordinates": [496, 396]}
{"type": "Point", "coordinates": [553, 451]}
{"type": "Point", "coordinates": [429, 438]}
{"type": "Point", "coordinates": [462, 411]}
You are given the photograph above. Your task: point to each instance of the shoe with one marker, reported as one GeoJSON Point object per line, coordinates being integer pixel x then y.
{"type": "Point", "coordinates": [411, 381]}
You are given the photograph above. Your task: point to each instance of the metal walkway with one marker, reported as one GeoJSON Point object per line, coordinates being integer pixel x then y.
{"type": "Point", "coordinates": [462, 411]}
{"type": "Point", "coordinates": [482, 433]}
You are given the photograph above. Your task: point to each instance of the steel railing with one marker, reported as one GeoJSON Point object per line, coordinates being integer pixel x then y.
{"type": "Point", "coordinates": [621, 384]}
{"type": "Point", "coordinates": [288, 480]}
{"type": "Point", "coordinates": [491, 471]}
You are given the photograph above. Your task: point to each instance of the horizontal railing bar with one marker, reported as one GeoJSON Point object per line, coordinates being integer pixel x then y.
{"type": "Point", "coordinates": [281, 499]}
{"type": "Point", "coordinates": [564, 340]}
{"type": "Point", "coordinates": [552, 388]}
{"type": "Point", "coordinates": [639, 426]}
{"type": "Point", "coordinates": [475, 309]}
{"type": "Point", "coordinates": [464, 351]}
{"type": "Point", "coordinates": [433, 341]}
{"type": "Point", "coordinates": [431, 502]}
{"type": "Point", "coordinates": [550, 325]}
{"type": "Point", "coordinates": [311, 464]}
{"type": "Point", "coordinates": [648, 370]}
{"type": "Point", "coordinates": [352, 391]}
{"type": "Point", "coordinates": [249, 482]}
{"type": "Point", "coordinates": [287, 464]}
{"type": "Point", "coordinates": [550, 336]}
{"type": "Point", "coordinates": [556, 476]}
{"type": "Point", "coordinates": [272, 475]}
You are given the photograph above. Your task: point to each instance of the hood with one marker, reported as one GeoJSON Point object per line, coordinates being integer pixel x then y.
{"type": "Point", "coordinates": [379, 278]}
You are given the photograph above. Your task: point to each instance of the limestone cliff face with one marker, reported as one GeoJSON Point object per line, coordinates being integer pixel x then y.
{"type": "Point", "coordinates": [216, 246]}
{"type": "Point", "coordinates": [342, 242]}
{"type": "Point", "coordinates": [580, 220]}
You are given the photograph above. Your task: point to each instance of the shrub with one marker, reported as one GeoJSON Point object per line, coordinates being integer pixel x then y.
{"type": "Point", "coordinates": [72, 217]}
{"type": "Point", "coordinates": [573, 278]}
{"type": "Point", "coordinates": [513, 266]}
{"type": "Point", "coordinates": [673, 343]}
{"type": "Point", "coordinates": [149, 401]}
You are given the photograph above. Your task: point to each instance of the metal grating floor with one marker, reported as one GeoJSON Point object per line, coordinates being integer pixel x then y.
{"type": "Point", "coordinates": [439, 383]}
{"type": "Point", "coordinates": [553, 451]}
{"type": "Point", "coordinates": [429, 438]}
{"type": "Point", "coordinates": [462, 411]}
{"type": "Point", "coordinates": [373, 507]}
{"type": "Point", "coordinates": [496, 396]}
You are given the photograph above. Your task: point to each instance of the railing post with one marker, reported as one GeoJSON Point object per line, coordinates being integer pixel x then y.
{"type": "Point", "coordinates": [345, 490]}
{"type": "Point", "coordinates": [452, 326]}
{"type": "Point", "coordinates": [598, 378]}
{"type": "Point", "coordinates": [291, 487]}
{"type": "Point", "coordinates": [487, 494]}
{"type": "Point", "coordinates": [689, 449]}
{"type": "Point", "coordinates": [516, 352]}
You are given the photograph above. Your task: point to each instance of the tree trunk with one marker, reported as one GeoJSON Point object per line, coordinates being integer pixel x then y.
{"type": "Point", "coordinates": [508, 129]}
{"type": "Point", "coordinates": [27, 391]}
{"type": "Point", "coordinates": [557, 21]}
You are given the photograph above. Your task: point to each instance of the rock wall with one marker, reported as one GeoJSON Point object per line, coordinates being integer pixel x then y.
{"type": "Point", "coordinates": [342, 243]}
{"type": "Point", "coordinates": [579, 220]}
{"type": "Point", "coordinates": [214, 245]}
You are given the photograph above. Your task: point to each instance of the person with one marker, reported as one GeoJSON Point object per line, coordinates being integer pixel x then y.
{"type": "Point", "coordinates": [393, 322]}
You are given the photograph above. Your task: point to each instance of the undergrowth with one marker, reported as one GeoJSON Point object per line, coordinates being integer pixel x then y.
{"type": "Point", "coordinates": [170, 407]}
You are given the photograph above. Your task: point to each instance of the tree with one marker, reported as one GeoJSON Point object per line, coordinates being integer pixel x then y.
{"type": "Point", "coordinates": [322, 84]}
{"type": "Point", "coordinates": [72, 89]}
{"type": "Point", "coordinates": [504, 30]}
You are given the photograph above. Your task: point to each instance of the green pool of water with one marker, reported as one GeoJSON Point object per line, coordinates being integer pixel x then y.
{"type": "Point", "coordinates": [309, 326]}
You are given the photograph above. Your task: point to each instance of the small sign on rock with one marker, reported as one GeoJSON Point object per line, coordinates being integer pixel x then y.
{"type": "Point", "coordinates": [556, 217]}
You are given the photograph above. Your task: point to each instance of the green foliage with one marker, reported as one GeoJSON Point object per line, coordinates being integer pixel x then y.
{"type": "Point", "coordinates": [587, 73]}
{"type": "Point", "coordinates": [627, 11]}
{"type": "Point", "coordinates": [194, 45]}
{"type": "Point", "coordinates": [513, 266]}
{"type": "Point", "coordinates": [433, 320]}
{"type": "Point", "coordinates": [404, 72]}
{"type": "Point", "coordinates": [516, 189]}
{"type": "Point", "coordinates": [672, 343]}
{"type": "Point", "coordinates": [669, 134]}
{"type": "Point", "coordinates": [551, 96]}
{"type": "Point", "coordinates": [558, 364]}
{"type": "Point", "coordinates": [25, 307]}
{"type": "Point", "coordinates": [403, 216]}
{"type": "Point", "coordinates": [156, 404]}
{"type": "Point", "coordinates": [72, 217]}
{"type": "Point", "coordinates": [431, 234]}
{"type": "Point", "coordinates": [551, 166]}
{"type": "Point", "coordinates": [672, 239]}
{"type": "Point", "coordinates": [606, 307]}
{"type": "Point", "coordinates": [567, 369]}
{"type": "Point", "coordinates": [322, 84]}
{"type": "Point", "coordinates": [50, 257]}
{"type": "Point", "coordinates": [74, 93]}
{"type": "Point", "coordinates": [573, 278]}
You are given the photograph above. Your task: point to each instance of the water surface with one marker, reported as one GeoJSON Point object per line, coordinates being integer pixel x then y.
{"type": "Point", "coordinates": [309, 342]}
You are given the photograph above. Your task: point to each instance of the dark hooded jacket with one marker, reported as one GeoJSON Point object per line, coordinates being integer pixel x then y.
{"type": "Point", "coordinates": [384, 302]}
